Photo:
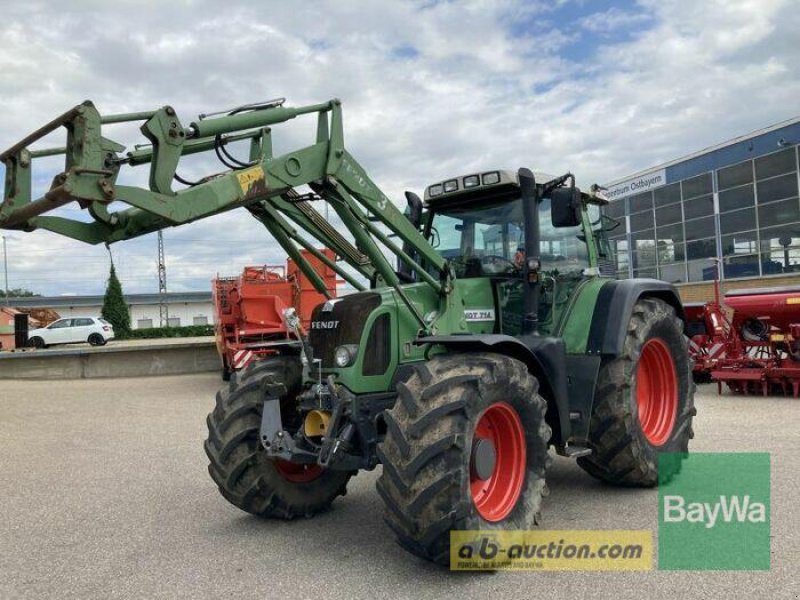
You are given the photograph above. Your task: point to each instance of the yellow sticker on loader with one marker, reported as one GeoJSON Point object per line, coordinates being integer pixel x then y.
{"type": "Point", "coordinates": [251, 177]}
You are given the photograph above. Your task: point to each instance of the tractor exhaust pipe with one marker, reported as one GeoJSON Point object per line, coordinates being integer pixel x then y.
{"type": "Point", "coordinates": [530, 213]}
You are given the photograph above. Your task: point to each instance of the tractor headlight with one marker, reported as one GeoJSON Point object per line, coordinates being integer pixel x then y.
{"type": "Point", "coordinates": [472, 181]}
{"type": "Point", "coordinates": [491, 178]}
{"type": "Point", "coordinates": [344, 356]}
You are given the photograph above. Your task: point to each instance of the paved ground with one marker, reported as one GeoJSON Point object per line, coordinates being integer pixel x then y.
{"type": "Point", "coordinates": [105, 494]}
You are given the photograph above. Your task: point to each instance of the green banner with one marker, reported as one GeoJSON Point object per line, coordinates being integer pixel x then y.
{"type": "Point", "coordinates": [715, 513]}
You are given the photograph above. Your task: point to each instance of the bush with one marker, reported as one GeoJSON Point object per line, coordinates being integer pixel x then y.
{"type": "Point", "coordinates": [171, 332]}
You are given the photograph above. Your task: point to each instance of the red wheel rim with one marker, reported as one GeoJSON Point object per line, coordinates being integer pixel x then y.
{"type": "Point", "coordinates": [297, 473]}
{"type": "Point", "coordinates": [496, 496]}
{"type": "Point", "coordinates": [656, 392]}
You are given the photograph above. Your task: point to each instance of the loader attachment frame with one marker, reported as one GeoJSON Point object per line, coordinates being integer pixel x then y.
{"type": "Point", "coordinates": [265, 185]}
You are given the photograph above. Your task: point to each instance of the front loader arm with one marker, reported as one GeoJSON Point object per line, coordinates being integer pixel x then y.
{"type": "Point", "coordinates": [265, 185]}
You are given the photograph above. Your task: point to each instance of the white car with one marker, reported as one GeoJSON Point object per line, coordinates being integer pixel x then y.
{"type": "Point", "coordinates": [73, 330]}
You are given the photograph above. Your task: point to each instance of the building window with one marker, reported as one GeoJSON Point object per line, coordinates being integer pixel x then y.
{"type": "Point", "coordinates": [779, 213]}
{"type": "Point", "coordinates": [642, 221]}
{"type": "Point", "coordinates": [740, 266]}
{"type": "Point", "coordinates": [776, 163]}
{"type": "Point", "coordinates": [736, 175]}
{"type": "Point", "coordinates": [735, 198]}
{"type": "Point", "coordinates": [697, 186]}
{"type": "Point", "coordinates": [702, 270]}
{"type": "Point", "coordinates": [777, 188]}
{"type": "Point", "coordinates": [780, 249]}
{"type": "Point", "coordinates": [644, 250]}
{"type": "Point", "coordinates": [649, 273]}
{"type": "Point", "coordinates": [674, 273]}
{"type": "Point", "coordinates": [669, 194]}
{"type": "Point", "coordinates": [738, 220]}
{"type": "Point", "coordinates": [740, 243]}
{"type": "Point", "coordinates": [666, 215]}
{"type": "Point", "coordinates": [699, 228]}
{"type": "Point", "coordinates": [641, 202]}
{"type": "Point", "coordinates": [702, 206]}
{"type": "Point", "coordinates": [615, 210]}
{"type": "Point", "coordinates": [144, 323]}
{"type": "Point", "coordinates": [701, 249]}
{"type": "Point", "coordinates": [174, 322]}
{"type": "Point", "coordinates": [200, 320]}
{"type": "Point", "coordinates": [620, 252]}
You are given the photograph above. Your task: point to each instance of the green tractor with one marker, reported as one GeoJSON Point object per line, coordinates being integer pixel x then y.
{"type": "Point", "coordinates": [493, 337]}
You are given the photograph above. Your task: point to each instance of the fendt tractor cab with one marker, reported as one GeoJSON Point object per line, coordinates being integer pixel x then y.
{"type": "Point", "coordinates": [493, 335]}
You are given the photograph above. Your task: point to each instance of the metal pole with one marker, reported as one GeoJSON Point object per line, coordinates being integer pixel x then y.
{"type": "Point", "coordinates": [163, 307]}
{"type": "Point", "coordinates": [5, 268]}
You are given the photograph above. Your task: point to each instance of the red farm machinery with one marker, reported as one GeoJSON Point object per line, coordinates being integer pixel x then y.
{"type": "Point", "coordinates": [249, 309]}
{"type": "Point", "coordinates": [750, 342]}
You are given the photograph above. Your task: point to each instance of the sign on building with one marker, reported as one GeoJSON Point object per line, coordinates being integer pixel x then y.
{"type": "Point", "coordinates": [637, 185]}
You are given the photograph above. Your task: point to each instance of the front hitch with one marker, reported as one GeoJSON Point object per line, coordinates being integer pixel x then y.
{"type": "Point", "coordinates": [281, 444]}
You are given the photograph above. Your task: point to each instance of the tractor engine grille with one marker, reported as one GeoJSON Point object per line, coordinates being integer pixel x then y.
{"type": "Point", "coordinates": [340, 322]}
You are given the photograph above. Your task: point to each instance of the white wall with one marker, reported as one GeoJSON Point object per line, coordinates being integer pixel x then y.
{"type": "Point", "coordinates": [185, 311]}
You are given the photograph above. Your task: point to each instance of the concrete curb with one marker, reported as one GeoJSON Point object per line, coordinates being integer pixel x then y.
{"type": "Point", "coordinates": [156, 358]}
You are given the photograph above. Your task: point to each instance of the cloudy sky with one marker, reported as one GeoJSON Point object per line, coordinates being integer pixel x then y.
{"type": "Point", "coordinates": [430, 89]}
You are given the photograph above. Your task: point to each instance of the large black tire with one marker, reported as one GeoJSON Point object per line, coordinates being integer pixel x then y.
{"type": "Point", "coordinates": [622, 453]}
{"type": "Point", "coordinates": [426, 453]}
{"type": "Point", "coordinates": [239, 465]}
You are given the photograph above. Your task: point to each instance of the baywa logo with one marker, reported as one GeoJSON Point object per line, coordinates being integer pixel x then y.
{"type": "Point", "coordinates": [730, 509]}
{"type": "Point", "coordinates": [714, 514]}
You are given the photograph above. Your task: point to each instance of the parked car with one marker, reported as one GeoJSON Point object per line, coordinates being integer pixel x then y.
{"type": "Point", "coordinates": [73, 330]}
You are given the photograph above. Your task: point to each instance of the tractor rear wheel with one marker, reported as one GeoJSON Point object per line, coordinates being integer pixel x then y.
{"type": "Point", "coordinates": [644, 401]}
{"type": "Point", "coordinates": [465, 448]}
{"type": "Point", "coordinates": [239, 465]}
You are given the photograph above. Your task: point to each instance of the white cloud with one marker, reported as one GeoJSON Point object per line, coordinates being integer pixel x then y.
{"type": "Point", "coordinates": [613, 19]}
{"type": "Point", "coordinates": [469, 95]}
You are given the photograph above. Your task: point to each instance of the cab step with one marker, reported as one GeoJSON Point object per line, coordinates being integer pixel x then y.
{"type": "Point", "coordinates": [573, 451]}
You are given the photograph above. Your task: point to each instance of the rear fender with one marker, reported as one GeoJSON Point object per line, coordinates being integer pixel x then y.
{"type": "Point", "coordinates": [614, 307]}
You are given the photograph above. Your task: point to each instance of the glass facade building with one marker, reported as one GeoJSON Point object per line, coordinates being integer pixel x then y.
{"type": "Point", "coordinates": [736, 204]}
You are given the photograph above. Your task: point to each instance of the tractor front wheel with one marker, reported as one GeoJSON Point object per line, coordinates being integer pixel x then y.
{"type": "Point", "coordinates": [465, 448]}
{"type": "Point", "coordinates": [644, 401]}
{"type": "Point", "coordinates": [238, 463]}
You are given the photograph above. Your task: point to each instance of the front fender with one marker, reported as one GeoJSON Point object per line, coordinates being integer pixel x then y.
{"type": "Point", "coordinates": [545, 358]}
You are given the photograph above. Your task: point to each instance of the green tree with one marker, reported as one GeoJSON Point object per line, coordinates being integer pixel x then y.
{"type": "Point", "coordinates": [115, 310]}
{"type": "Point", "coordinates": [18, 293]}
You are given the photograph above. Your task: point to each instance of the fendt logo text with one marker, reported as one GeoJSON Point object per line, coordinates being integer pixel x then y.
{"type": "Point", "coordinates": [731, 509]}
{"type": "Point", "coordinates": [324, 324]}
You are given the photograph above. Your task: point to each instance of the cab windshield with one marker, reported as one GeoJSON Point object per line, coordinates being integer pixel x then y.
{"type": "Point", "coordinates": [481, 239]}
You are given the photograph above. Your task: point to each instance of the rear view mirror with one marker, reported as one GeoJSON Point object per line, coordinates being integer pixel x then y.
{"type": "Point", "coordinates": [565, 207]}
{"type": "Point", "coordinates": [414, 212]}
